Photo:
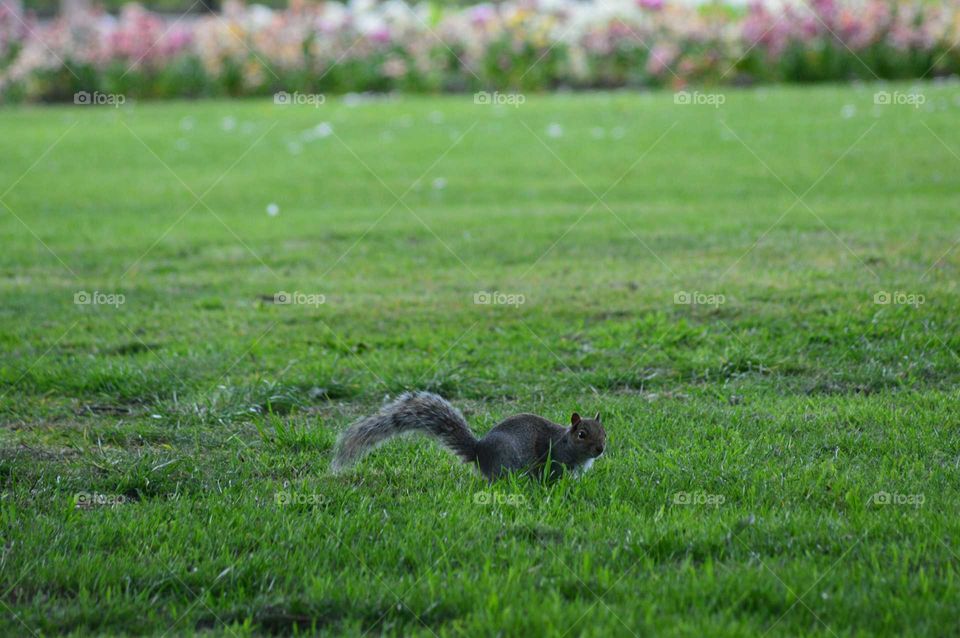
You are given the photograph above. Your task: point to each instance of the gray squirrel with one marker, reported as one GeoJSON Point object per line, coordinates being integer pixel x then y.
{"type": "Point", "coordinates": [525, 442]}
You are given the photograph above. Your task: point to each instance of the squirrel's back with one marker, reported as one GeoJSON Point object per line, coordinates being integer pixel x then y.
{"type": "Point", "coordinates": [520, 442]}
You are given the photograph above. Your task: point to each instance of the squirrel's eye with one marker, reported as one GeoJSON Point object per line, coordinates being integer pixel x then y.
{"type": "Point", "coordinates": [581, 434]}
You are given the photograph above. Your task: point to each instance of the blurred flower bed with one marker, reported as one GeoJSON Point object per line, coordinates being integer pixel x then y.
{"type": "Point", "coordinates": [526, 46]}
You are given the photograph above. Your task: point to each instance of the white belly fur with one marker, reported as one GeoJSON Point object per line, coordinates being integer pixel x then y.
{"type": "Point", "coordinates": [582, 469]}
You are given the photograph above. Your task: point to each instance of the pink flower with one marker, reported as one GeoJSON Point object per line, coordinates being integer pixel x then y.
{"type": "Point", "coordinates": [380, 35]}
{"type": "Point", "coordinates": [661, 58]}
{"type": "Point", "coordinates": [481, 15]}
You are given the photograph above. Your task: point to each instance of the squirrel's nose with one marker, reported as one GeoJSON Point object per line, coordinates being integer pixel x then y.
{"type": "Point", "coordinates": [599, 450]}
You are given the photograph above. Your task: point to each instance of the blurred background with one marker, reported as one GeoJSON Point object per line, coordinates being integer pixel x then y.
{"type": "Point", "coordinates": [51, 49]}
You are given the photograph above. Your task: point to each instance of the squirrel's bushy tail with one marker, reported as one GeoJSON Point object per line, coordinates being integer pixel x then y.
{"type": "Point", "coordinates": [412, 411]}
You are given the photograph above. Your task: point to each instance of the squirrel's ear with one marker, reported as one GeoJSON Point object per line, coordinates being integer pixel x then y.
{"type": "Point", "coordinates": [597, 418]}
{"type": "Point", "coordinates": [575, 419]}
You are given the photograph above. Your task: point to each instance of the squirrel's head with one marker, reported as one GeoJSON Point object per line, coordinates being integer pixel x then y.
{"type": "Point", "coordinates": [587, 435]}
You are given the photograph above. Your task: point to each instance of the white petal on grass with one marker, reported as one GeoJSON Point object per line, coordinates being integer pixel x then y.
{"type": "Point", "coordinates": [272, 209]}
{"type": "Point", "coordinates": [318, 132]}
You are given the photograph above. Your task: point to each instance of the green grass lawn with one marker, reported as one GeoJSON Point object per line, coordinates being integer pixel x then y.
{"type": "Point", "coordinates": [164, 460]}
